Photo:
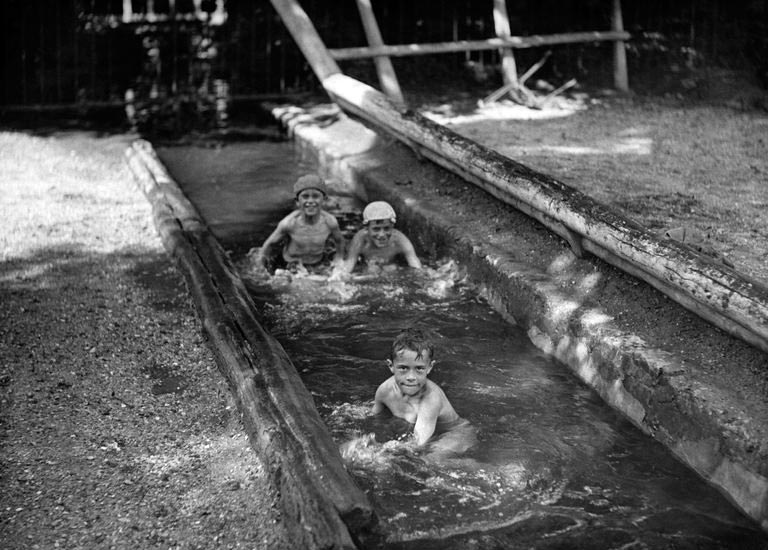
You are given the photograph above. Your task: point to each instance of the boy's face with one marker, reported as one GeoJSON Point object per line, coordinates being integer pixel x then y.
{"type": "Point", "coordinates": [380, 231]}
{"type": "Point", "coordinates": [310, 201]}
{"type": "Point", "coordinates": [410, 370]}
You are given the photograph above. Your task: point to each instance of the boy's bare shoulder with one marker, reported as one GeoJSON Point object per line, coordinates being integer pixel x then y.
{"type": "Point", "coordinates": [329, 218]}
{"type": "Point", "coordinates": [434, 392]}
{"type": "Point", "coordinates": [291, 219]}
{"type": "Point", "coordinates": [361, 235]}
{"type": "Point", "coordinates": [400, 237]}
{"type": "Point", "coordinates": [385, 388]}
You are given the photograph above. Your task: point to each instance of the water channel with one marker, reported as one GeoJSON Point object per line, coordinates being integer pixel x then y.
{"type": "Point", "coordinates": [553, 465]}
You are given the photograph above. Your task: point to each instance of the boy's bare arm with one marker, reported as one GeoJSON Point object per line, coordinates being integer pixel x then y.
{"type": "Point", "coordinates": [338, 239]}
{"type": "Point", "coordinates": [280, 232]}
{"type": "Point", "coordinates": [354, 251]}
{"type": "Point", "coordinates": [378, 400]}
{"type": "Point", "coordinates": [378, 407]}
{"type": "Point", "coordinates": [427, 419]}
{"type": "Point", "coordinates": [409, 252]}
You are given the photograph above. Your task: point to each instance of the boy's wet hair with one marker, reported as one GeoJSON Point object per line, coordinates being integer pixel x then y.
{"type": "Point", "coordinates": [415, 339]}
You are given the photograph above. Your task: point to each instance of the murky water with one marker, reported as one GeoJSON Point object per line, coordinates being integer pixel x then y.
{"type": "Point", "coordinates": [553, 466]}
{"type": "Point", "coordinates": [552, 462]}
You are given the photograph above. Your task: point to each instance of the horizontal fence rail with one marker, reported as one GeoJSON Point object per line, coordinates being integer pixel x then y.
{"type": "Point", "coordinates": [403, 50]}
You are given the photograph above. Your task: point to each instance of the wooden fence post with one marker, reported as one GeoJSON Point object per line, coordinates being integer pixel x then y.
{"type": "Point", "coordinates": [384, 68]}
{"type": "Point", "coordinates": [127, 11]}
{"type": "Point", "coordinates": [501, 24]}
{"type": "Point", "coordinates": [620, 80]}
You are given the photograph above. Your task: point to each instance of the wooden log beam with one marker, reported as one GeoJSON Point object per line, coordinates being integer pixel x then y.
{"type": "Point", "coordinates": [321, 504]}
{"type": "Point", "coordinates": [303, 31]}
{"type": "Point", "coordinates": [501, 25]}
{"type": "Point", "coordinates": [384, 68]}
{"type": "Point", "coordinates": [620, 78]}
{"type": "Point", "coordinates": [496, 95]}
{"type": "Point", "coordinates": [717, 293]}
{"type": "Point", "coordinates": [402, 50]}
{"type": "Point", "coordinates": [127, 10]}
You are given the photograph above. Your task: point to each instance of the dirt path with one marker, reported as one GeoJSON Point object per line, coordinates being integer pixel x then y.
{"type": "Point", "coordinates": [117, 429]}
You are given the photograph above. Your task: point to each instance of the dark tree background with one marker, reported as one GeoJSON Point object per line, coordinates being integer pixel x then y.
{"type": "Point", "coordinates": [79, 51]}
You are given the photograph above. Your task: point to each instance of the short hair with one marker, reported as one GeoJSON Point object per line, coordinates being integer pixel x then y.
{"type": "Point", "coordinates": [416, 339]}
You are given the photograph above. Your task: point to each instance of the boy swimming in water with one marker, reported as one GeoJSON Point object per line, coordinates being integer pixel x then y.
{"type": "Point", "coordinates": [307, 229]}
{"type": "Point", "coordinates": [378, 242]}
{"type": "Point", "coordinates": [410, 395]}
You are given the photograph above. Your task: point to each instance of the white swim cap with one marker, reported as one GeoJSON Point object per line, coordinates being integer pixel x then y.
{"type": "Point", "coordinates": [379, 210]}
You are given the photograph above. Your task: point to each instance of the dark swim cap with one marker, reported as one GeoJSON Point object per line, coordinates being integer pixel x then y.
{"type": "Point", "coordinates": [310, 181]}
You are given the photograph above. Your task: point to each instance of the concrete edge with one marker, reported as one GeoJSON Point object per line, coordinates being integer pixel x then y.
{"type": "Point", "coordinates": [322, 506]}
{"type": "Point", "coordinates": [643, 383]}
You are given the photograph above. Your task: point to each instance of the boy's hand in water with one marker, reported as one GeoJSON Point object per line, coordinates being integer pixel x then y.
{"type": "Point", "coordinates": [257, 261]}
{"type": "Point", "coordinates": [338, 274]}
{"type": "Point", "coordinates": [256, 256]}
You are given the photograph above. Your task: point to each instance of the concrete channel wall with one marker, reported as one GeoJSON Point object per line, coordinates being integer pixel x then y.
{"type": "Point", "coordinates": [717, 432]}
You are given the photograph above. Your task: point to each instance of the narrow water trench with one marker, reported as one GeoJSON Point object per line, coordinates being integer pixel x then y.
{"type": "Point", "coordinates": [551, 458]}
{"type": "Point", "coordinates": [552, 466]}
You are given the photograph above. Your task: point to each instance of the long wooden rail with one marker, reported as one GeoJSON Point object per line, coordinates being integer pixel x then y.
{"type": "Point", "coordinates": [504, 42]}
{"type": "Point", "coordinates": [715, 292]}
{"type": "Point", "coordinates": [402, 50]}
{"type": "Point", "coordinates": [322, 506]}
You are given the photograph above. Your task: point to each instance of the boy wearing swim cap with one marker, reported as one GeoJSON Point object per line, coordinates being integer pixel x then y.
{"type": "Point", "coordinates": [307, 229]}
{"type": "Point", "coordinates": [379, 242]}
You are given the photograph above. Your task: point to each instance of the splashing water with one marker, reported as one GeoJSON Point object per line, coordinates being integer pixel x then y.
{"type": "Point", "coordinates": [553, 466]}
{"type": "Point", "coordinates": [547, 454]}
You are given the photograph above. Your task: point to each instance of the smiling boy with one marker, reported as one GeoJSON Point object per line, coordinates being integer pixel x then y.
{"type": "Point", "coordinates": [378, 242]}
{"type": "Point", "coordinates": [410, 395]}
{"type": "Point", "coordinates": [307, 229]}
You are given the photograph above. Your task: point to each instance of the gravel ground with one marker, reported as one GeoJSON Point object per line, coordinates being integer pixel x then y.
{"type": "Point", "coordinates": [116, 428]}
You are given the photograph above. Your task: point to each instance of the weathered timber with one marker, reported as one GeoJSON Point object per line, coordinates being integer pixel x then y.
{"type": "Point", "coordinates": [518, 85]}
{"type": "Point", "coordinates": [384, 68]}
{"type": "Point", "coordinates": [318, 454]}
{"type": "Point", "coordinates": [518, 42]}
{"type": "Point", "coordinates": [557, 91]}
{"type": "Point", "coordinates": [303, 31]}
{"type": "Point", "coordinates": [501, 25]}
{"type": "Point", "coordinates": [323, 507]}
{"type": "Point", "coordinates": [715, 292]}
{"type": "Point", "coordinates": [620, 78]}
{"type": "Point", "coordinates": [535, 67]}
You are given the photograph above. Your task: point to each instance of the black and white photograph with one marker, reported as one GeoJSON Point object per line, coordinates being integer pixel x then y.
{"type": "Point", "coordinates": [384, 275]}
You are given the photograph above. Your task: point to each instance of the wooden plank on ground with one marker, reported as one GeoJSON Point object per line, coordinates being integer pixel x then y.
{"type": "Point", "coordinates": [323, 507]}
